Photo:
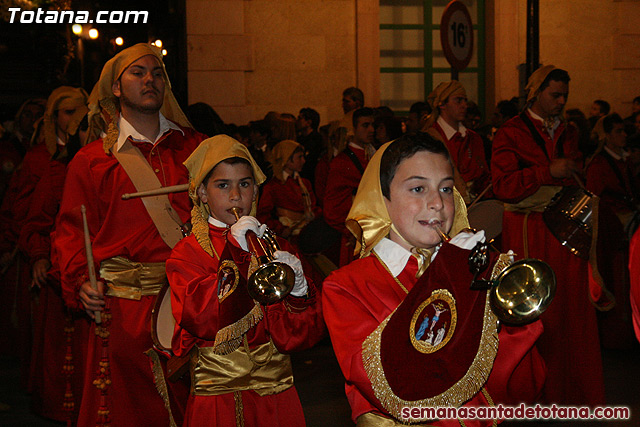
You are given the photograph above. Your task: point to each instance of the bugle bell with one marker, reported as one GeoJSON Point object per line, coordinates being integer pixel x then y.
{"type": "Point", "coordinates": [520, 293]}
{"type": "Point", "coordinates": [272, 280]}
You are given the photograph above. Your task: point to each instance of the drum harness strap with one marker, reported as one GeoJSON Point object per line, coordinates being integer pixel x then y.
{"type": "Point", "coordinates": [164, 217]}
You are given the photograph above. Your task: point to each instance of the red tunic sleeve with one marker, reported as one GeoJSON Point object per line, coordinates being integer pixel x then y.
{"type": "Point", "coordinates": [293, 324]}
{"type": "Point", "coordinates": [519, 167]}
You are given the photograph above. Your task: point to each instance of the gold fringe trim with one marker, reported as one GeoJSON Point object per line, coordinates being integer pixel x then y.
{"type": "Point", "coordinates": [593, 259]}
{"type": "Point", "coordinates": [161, 384]}
{"type": "Point", "coordinates": [462, 391]}
{"type": "Point", "coordinates": [229, 338]}
{"type": "Point", "coordinates": [200, 229]}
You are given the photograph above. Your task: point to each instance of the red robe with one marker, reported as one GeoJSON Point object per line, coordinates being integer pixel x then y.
{"type": "Point", "coordinates": [57, 334]}
{"type": "Point", "coordinates": [467, 154]}
{"type": "Point", "coordinates": [287, 195]}
{"type": "Point", "coordinates": [634, 272]}
{"type": "Point", "coordinates": [569, 344]}
{"type": "Point", "coordinates": [358, 297]}
{"type": "Point", "coordinates": [342, 184]}
{"type": "Point", "coordinates": [15, 299]}
{"type": "Point", "coordinates": [193, 277]}
{"type": "Point", "coordinates": [612, 247]}
{"type": "Point", "coordinates": [120, 228]}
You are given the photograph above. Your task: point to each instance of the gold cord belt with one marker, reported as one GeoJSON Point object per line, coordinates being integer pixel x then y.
{"type": "Point", "coordinates": [132, 280]}
{"type": "Point", "coordinates": [215, 374]}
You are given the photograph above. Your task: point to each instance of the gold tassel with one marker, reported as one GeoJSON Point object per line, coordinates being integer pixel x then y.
{"type": "Point", "coordinates": [161, 384]}
{"type": "Point", "coordinates": [229, 338]}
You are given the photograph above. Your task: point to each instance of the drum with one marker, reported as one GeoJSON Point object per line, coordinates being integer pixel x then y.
{"type": "Point", "coordinates": [568, 217]}
{"type": "Point", "coordinates": [487, 215]}
{"type": "Point", "coordinates": [162, 322]}
{"type": "Point", "coordinates": [162, 326]}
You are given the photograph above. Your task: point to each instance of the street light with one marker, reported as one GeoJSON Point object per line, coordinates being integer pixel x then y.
{"type": "Point", "coordinates": [158, 43]}
{"type": "Point", "coordinates": [119, 41]}
{"type": "Point", "coordinates": [77, 29]}
{"type": "Point", "coordinates": [93, 33]}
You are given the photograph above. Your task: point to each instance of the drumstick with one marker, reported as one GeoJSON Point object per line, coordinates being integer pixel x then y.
{"type": "Point", "coordinates": [579, 181]}
{"type": "Point", "coordinates": [477, 199]}
{"type": "Point", "coordinates": [89, 252]}
{"type": "Point", "coordinates": [157, 191]}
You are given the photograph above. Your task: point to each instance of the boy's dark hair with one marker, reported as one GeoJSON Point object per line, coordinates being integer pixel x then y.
{"type": "Point", "coordinates": [610, 120]}
{"type": "Point", "coordinates": [362, 112]}
{"type": "Point", "coordinates": [312, 115]}
{"type": "Point", "coordinates": [507, 109]}
{"type": "Point", "coordinates": [420, 108]}
{"type": "Point", "coordinates": [355, 94]}
{"type": "Point", "coordinates": [229, 161]}
{"type": "Point", "coordinates": [636, 100]}
{"type": "Point", "coordinates": [556, 75]}
{"type": "Point", "coordinates": [604, 106]}
{"type": "Point", "coordinates": [403, 148]}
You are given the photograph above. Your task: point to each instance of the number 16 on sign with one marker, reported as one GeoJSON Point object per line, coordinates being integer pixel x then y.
{"type": "Point", "coordinates": [456, 36]}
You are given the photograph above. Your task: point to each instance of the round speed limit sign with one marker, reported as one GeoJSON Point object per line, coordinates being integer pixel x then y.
{"type": "Point", "coordinates": [456, 35]}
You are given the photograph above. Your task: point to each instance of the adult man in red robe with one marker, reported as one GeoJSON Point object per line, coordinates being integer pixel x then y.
{"type": "Point", "coordinates": [535, 154]}
{"type": "Point", "coordinates": [345, 172]}
{"type": "Point", "coordinates": [147, 139]}
{"type": "Point", "coordinates": [449, 108]}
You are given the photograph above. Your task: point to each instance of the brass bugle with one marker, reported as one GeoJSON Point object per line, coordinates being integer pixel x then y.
{"type": "Point", "coordinates": [272, 280]}
{"type": "Point", "coordinates": [520, 293]}
{"type": "Point", "coordinates": [157, 192]}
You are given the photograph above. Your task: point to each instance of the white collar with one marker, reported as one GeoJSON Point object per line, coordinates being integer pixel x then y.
{"type": "Point", "coordinates": [127, 130]}
{"type": "Point", "coordinates": [286, 175]}
{"type": "Point", "coordinates": [217, 223]}
{"type": "Point", "coordinates": [615, 155]}
{"type": "Point", "coordinates": [393, 255]}
{"type": "Point", "coordinates": [556, 119]}
{"type": "Point", "coordinates": [356, 146]}
{"type": "Point", "coordinates": [449, 131]}
{"type": "Point", "coordinates": [545, 122]}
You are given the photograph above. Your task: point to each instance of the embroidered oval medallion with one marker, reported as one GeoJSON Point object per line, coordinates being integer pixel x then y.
{"type": "Point", "coordinates": [228, 278]}
{"type": "Point", "coordinates": [434, 322]}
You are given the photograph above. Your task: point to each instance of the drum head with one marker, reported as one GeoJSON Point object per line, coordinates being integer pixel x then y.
{"type": "Point", "coordinates": [162, 320]}
{"type": "Point", "coordinates": [487, 216]}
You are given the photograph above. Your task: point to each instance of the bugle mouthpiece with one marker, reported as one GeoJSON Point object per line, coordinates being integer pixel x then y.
{"type": "Point", "coordinates": [443, 236]}
{"type": "Point", "coordinates": [236, 211]}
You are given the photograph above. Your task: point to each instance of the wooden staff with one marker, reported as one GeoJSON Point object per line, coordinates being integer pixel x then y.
{"type": "Point", "coordinates": [90, 265]}
{"type": "Point", "coordinates": [157, 192]}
